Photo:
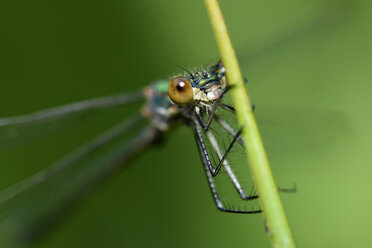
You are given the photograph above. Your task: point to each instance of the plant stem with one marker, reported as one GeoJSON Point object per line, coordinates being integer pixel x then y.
{"type": "Point", "coordinates": [276, 221]}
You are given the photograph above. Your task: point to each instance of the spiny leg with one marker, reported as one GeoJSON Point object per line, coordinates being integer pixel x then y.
{"type": "Point", "coordinates": [291, 190]}
{"type": "Point", "coordinates": [231, 131]}
{"type": "Point", "coordinates": [205, 125]}
{"type": "Point", "coordinates": [206, 160]}
{"type": "Point", "coordinates": [204, 150]}
{"type": "Point", "coordinates": [228, 108]}
{"type": "Point", "coordinates": [232, 109]}
{"type": "Point", "coordinates": [217, 102]}
{"type": "Point", "coordinates": [228, 169]}
{"type": "Point", "coordinates": [237, 135]}
{"type": "Point", "coordinates": [218, 202]}
{"type": "Point", "coordinates": [200, 120]}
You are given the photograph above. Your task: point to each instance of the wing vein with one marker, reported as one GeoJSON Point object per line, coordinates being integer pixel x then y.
{"type": "Point", "coordinates": [72, 108]}
{"type": "Point", "coordinates": [67, 160]}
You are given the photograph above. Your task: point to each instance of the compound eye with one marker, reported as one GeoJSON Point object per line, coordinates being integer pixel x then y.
{"type": "Point", "coordinates": [180, 91]}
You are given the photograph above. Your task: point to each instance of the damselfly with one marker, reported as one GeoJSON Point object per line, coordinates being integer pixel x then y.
{"type": "Point", "coordinates": [199, 100]}
{"type": "Point", "coordinates": [194, 99]}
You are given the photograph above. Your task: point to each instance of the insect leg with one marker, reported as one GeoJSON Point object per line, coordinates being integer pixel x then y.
{"type": "Point", "coordinates": [229, 129]}
{"type": "Point", "coordinates": [206, 165]}
{"type": "Point", "coordinates": [206, 160]}
{"type": "Point", "coordinates": [200, 120]}
{"type": "Point", "coordinates": [291, 190]}
{"type": "Point", "coordinates": [235, 135]}
{"type": "Point", "coordinates": [214, 107]}
{"type": "Point", "coordinates": [232, 109]}
{"type": "Point", "coordinates": [217, 103]}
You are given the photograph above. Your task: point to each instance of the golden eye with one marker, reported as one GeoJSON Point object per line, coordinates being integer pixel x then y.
{"type": "Point", "coordinates": [180, 91]}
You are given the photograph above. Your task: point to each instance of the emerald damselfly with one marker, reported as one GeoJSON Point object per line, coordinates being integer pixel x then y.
{"type": "Point", "coordinates": [25, 221]}
{"type": "Point", "coordinates": [194, 99]}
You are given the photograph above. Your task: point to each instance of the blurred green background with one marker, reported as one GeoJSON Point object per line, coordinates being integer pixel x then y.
{"type": "Point", "coordinates": [309, 69]}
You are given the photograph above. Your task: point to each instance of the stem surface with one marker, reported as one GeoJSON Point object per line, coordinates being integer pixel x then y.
{"type": "Point", "coordinates": [276, 221]}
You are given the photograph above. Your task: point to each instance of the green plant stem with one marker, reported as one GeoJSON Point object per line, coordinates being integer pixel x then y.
{"type": "Point", "coordinates": [276, 221]}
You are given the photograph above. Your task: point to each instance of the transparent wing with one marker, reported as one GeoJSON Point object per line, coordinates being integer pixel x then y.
{"type": "Point", "coordinates": [287, 128]}
{"type": "Point", "coordinates": [284, 122]}
{"type": "Point", "coordinates": [221, 145]}
{"type": "Point", "coordinates": [326, 18]}
{"type": "Point", "coordinates": [28, 208]}
{"type": "Point", "coordinates": [303, 129]}
{"type": "Point", "coordinates": [23, 128]}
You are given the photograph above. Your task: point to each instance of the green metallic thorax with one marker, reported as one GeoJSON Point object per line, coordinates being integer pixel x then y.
{"type": "Point", "coordinates": [206, 77]}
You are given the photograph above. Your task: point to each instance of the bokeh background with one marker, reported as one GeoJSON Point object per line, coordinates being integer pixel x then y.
{"type": "Point", "coordinates": [309, 69]}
